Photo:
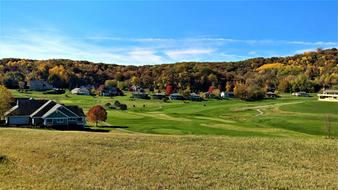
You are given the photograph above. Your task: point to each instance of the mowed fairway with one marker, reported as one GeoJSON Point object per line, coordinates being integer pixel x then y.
{"type": "Point", "coordinates": [287, 116]}
{"type": "Point", "coordinates": [46, 159]}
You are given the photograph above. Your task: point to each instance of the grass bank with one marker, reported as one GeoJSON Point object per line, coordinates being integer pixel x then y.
{"type": "Point", "coordinates": [43, 159]}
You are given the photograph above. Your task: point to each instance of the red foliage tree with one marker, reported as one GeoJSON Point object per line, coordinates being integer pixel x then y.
{"type": "Point", "coordinates": [211, 89]}
{"type": "Point", "coordinates": [96, 114]}
{"type": "Point", "coordinates": [169, 89]}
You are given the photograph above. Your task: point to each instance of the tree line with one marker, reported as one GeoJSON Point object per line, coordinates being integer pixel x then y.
{"type": "Point", "coordinates": [310, 72]}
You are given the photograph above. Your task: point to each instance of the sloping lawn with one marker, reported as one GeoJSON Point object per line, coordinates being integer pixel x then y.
{"type": "Point", "coordinates": [45, 159]}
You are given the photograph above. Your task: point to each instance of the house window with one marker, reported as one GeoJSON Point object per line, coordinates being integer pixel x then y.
{"type": "Point", "coordinates": [72, 119]}
{"type": "Point", "coordinates": [49, 120]}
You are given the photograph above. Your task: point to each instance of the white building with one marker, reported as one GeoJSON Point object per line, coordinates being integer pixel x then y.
{"type": "Point", "coordinates": [80, 91]}
{"type": "Point", "coordinates": [328, 95]}
{"type": "Point", "coordinates": [302, 94]}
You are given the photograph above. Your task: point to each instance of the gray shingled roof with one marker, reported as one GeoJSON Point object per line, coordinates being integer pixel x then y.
{"type": "Point", "coordinates": [26, 107]}
{"type": "Point", "coordinates": [77, 110]}
{"type": "Point", "coordinates": [46, 107]}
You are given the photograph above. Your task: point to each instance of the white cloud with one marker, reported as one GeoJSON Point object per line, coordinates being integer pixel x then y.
{"type": "Point", "coordinates": [225, 40]}
{"type": "Point", "coordinates": [175, 53]}
{"type": "Point", "coordinates": [50, 44]}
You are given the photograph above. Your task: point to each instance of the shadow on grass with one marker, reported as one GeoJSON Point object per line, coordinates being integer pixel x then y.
{"type": "Point", "coordinates": [114, 127]}
{"type": "Point", "coordinates": [67, 128]}
{"type": "Point", "coordinates": [77, 128]}
{"type": "Point", "coordinates": [87, 129]}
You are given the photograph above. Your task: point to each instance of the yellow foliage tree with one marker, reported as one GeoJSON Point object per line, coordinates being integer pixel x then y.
{"type": "Point", "coordinates": [5, 100]}
{"type": "Point", "coordinates": [270, 66]}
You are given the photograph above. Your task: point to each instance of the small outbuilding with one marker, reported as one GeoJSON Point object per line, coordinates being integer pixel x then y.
{"type": "Point", "coordinates": [176, 96]}
{"type": "Point", "coordinates": [80, 91]}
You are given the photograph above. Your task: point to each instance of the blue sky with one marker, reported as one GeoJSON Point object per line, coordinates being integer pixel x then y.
{"type": "Point", "coordinates": [153, 32]}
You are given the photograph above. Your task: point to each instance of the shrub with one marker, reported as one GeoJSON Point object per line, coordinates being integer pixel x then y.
{"type": "Point", "coordinates": [117, 103]}
{"type": "Point", "coordinates": [166, 99]}
{"type": "Point", "coordinates": [112, 107]}
{"type": "Point", "coordinates": [123, 107]}
{"type": "Point", "coordinates": [4, 159]}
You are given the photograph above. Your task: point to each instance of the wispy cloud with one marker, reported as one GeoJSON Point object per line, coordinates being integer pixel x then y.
{"type": "Point", "coordinates": [185, 54]}
{"type": "Point", "coordinates": [51, 43]}
{"type": "Point", "coordinates": [225, 40]}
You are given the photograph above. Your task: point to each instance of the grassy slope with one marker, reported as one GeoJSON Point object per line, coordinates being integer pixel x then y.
{"type": "Point", "coordinates": [43, 159]}
{"type": "Point", "coordinates": [287, 116]}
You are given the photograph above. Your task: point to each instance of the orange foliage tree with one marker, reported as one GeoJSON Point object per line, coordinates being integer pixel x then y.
{"type": "Point", "coordinates": [97, 114]}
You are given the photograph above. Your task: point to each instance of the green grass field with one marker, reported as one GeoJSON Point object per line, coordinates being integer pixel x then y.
{"type": "Point", "coordinates": [228, 144]}
{"type": "Point", "coordinates": [287, 116]}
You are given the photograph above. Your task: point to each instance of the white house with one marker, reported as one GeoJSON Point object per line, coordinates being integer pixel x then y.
{"type": "Point", "coordinates": [328, 95]}
{"type": "Point", "coordinates": [80, 91]}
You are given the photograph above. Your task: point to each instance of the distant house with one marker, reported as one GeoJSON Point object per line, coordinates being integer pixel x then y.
{"type": "Point", "coordinates": [80, 91]}
{"type": "Point", "coordinates": [44, 113]}
{"type": "Point", "coordinates": [176, 96]}
{"type": "Point", "coordinates": [39, 85]}
{"type": "Point", "coordinates": [300, 94]}
{"type": "Point", "coordinates": [110, 91]}
{"type": "Point", "coordinates": [328, 95]}
{"type": "Point", "coordinates": [158, 96]}
{"type": "Point", "coordinates": [271, 95]}
{"type": "Point", "coordinates": [227, 95]}
{"type": "Point", "coordinates": [136, 88]}
{"type": "Point", "coordinates": [195, 97]}
{"type": "Point", "coordinates": [139, 95]}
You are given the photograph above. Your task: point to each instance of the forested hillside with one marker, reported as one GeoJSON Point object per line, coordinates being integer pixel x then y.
{"type": "Point", "coordinates": [309, 72]}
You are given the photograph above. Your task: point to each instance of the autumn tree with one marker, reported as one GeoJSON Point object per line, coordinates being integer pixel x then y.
{"type": "Point", "coordinates": [121, 85]}
{"type": "Point", "coordinates": [110, 83]}
{"type": "Point", "coordinates": [228, 86]}
{"type": "Point", "coordinates": [310, 72]}
{"type": "Point", "coordinates": [22, 85]}
{"type": "Point", "coordinates": [248, 91]}
{"type": "Point", "coordinates": [212, 79]}
{"type": "Point", "coordinates": [6, 98]}
{"type": "Point", "coordinates": [169, 89]}
{"type": "Point", "coordinates": [97, 114]}
{"type": "Point", "coordinates": [135, 80]}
